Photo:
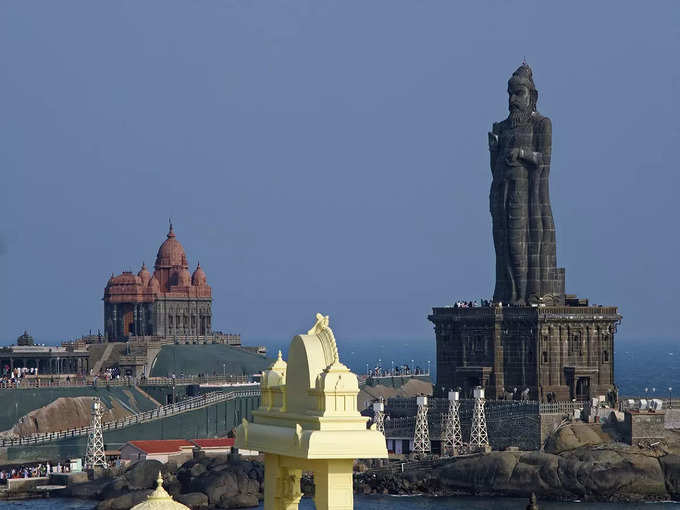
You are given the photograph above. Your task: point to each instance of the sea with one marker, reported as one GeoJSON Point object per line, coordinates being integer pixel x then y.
{"type": "Point", "coordinates": [387, 503]}
{"type": "Point", "coordinates": [642, 366]}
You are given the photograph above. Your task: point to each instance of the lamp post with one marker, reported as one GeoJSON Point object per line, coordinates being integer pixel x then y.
{"type": "Point", "coordinates": [428, 366]}
{"type": "Point", "coordinates": [224, 370]}
{"type": "Point", "coordinates": [670, 397]}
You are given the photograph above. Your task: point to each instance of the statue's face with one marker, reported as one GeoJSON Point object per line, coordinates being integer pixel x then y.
{"type": "Point", "coordinates": [519, 98]}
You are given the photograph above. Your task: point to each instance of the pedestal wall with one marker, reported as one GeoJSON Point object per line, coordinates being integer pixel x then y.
{"type": "Point", "coordinates": [556, 353]}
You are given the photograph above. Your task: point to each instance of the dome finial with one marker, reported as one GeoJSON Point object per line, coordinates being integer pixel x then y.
{"type": "Point", "coordinates": [171, 232]}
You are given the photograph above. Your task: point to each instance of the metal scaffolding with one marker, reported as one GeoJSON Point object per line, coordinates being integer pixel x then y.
{"type": "Point", "coordinates": [452, 437]}
{"type": "Point", "coordinates": [94, 456]}
{"type": "Point", "coordinates": [379, 416]}
{"type": "Point", "coordinates": [479, 439]}
{"type": "Point", "coordinates": [421, 438]}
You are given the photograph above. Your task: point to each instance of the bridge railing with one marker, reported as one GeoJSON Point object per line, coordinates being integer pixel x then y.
{"type": "Point", "coordinates": [31, 383]}
{"type": "Point", "coordinates": [158, 413]}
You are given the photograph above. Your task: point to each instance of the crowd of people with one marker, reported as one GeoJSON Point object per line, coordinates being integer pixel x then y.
{"type": "Point", "coordinates": [473, 304]}
{"type": "Point", "coordinates": [32, 471]}
{"type": "Point", "coordinates": [12, 377]}
{"type": "Point", "coordinates": [379, 371]}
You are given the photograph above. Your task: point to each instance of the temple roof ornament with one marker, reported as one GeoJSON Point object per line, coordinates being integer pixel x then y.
{"type": "Point", "coordinates": [313, 399]}
{"type": "Point", "coordinates": [159, 499]}
{"type": "Point", "coordinates": [322, 330]}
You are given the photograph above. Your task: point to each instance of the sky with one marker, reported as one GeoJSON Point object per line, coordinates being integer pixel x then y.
{"type": "Point", "coordinates": [322, 156]}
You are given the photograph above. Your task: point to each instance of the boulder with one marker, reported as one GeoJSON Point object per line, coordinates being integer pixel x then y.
{"type": "Point", "coordinates": [87, 490]}
{"type": "Point", "coordinates": [117, 487]}
{"type": "Point", "coordinates": [575, 435]}
{"type": "Point", "coordinates": [216, 485]}
{"type": "Point", "coordinates": [194, 500]}
{"type": "Point", "coordinates": [143, 474]}
{"type": "Point", "coordinates": [671, 469]}
{"type": "Point", "coordinates": [480, 473]}
{"type": "Point", "coordinates": [197, 470]}
{"type": "Point", "coordinates": [239, 500]}
{"type": "Point", "coordinates": [124, 502]}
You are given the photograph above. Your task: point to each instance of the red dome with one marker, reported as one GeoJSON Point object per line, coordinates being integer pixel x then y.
{"type": "Point", "coordinates": [171, 253]}
{"type": "Point", "coordinates": [183, 278]}
{"type": "Point", "coordinates": [126, 278]}
{"type": "Point", "coordinates": [144, 275]}
{"type": "Point", "coordinates": [198, 279]}
{"type": "Point", "coordinates": [154, 285]}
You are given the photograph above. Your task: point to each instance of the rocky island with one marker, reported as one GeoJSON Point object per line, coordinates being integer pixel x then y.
{"type": "Point", "coordinates": [580, 461]}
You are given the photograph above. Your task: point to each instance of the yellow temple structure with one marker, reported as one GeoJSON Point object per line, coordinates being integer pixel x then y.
{"type": "Point", "coordinates": [308, 421]}
{"type": "Point", "coordinates": [160, 499]}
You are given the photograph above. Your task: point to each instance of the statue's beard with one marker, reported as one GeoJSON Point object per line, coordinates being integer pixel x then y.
{"type": "Point", "coordinates": [518, 116]}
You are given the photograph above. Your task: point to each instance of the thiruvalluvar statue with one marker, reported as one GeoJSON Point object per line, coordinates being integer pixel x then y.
{"type": "Point", "coordinates": [523, 226]}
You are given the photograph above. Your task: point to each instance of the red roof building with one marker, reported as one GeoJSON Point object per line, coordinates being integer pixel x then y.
{"type": "Point", "coordinates": [171, 302]}
{"type": "Point", "coordinates": [175, 449]}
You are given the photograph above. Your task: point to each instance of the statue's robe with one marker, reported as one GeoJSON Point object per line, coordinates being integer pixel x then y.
{"type": "Point", "coordinates": [523, 226]}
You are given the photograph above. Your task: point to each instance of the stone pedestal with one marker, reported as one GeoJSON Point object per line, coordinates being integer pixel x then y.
{"type": "Point", "coordinates": [555, 352]}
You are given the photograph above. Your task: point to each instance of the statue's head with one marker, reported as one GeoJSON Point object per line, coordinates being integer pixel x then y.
{"type": "Point", "coordinates": [522, 93]}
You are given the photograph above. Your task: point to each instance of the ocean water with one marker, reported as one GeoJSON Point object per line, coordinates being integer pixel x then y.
{"type": "Point", "coordinates": [384, 503]}
{"type": "Point", "coordinates": [653, 364]}
{"type": "Point", "coordinates": [48, 504]}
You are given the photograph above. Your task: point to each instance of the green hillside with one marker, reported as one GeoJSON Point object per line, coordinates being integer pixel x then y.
{"type": "Point", "coordinates": [207, 359]}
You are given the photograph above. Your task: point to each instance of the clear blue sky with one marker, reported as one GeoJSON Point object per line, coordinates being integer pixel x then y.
{"type": "Point", "coordinates": [327, 156]}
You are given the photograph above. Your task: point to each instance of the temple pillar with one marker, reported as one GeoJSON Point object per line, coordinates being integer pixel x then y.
{"type": "Point", "coordinates": [271, 480]}
{"type": "Point", "coordinates": [333, 485]}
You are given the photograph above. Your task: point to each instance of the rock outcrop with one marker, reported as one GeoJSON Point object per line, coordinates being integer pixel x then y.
{"type": "Point", "coordinates": [204, 483]}
{"type": "Point", "coordinates": [578, 463]}
{"type": "Point", "coordinates": [62, 414]}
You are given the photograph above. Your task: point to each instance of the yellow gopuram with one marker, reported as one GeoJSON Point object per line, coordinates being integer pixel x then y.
{"type": "Point", "coordinates": [308, 421]}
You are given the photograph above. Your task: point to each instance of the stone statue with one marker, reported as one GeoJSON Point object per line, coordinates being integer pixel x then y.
{"type": "Point", "coordinates": [532, 502]}
{"type": "Point", "coordinates": [523, 227]}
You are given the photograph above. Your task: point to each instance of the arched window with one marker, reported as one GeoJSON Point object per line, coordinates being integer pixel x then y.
{"type": "Point", "coordinates": [605, 356]}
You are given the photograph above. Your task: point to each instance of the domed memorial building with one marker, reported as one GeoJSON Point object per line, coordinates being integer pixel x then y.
{"type": "Point", "coordinates": [170, 303]}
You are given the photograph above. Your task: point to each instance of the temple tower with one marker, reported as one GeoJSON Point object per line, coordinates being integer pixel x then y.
{"type": "Point", "coordinates": [308, 421]}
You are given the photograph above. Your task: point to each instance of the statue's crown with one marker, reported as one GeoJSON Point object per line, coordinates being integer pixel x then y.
{"type": "Point", "coordinates": [524, 76]}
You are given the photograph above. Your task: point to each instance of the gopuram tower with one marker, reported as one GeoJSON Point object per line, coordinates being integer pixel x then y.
{"type": "Point", "coordinates": [532, 340]}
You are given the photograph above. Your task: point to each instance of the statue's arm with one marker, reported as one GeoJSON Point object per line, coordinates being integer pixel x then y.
{"type": "Point", "coordinates": [540, 154]}
{"type": "Point", "coordinates": [493, 145]}
{"type": "Point", "coordinates": [544, 141]}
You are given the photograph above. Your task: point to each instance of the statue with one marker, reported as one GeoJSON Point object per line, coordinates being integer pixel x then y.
{"type": "Point", "coordinates": [532, 502]}
{"type": "Point", "coordinates": [523, 226]}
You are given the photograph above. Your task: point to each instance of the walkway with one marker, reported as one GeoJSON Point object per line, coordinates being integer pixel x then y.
{"type": "Point", "coordinates": [187, 405]}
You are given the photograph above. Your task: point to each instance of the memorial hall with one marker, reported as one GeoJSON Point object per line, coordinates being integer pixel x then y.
{"type": "Point", "coordinates": [171, 302]}
{"type": "Point", "coordinates": [532, 340]}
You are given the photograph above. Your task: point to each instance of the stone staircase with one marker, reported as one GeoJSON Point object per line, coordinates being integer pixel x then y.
{"type": "Point", "coordinates": [105, 356]}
